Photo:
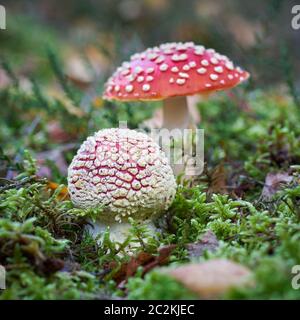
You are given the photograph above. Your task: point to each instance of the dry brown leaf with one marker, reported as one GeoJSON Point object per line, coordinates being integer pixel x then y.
{"type": "Point", "coordinates": [212, 278]}
{"type": "Point", "coordinates": [63, 194]}
{"type": "Point", "coordinates": [218, 180]}
{"type": "Point", "coordinates": [274, 182]}
{"type": "Point", "coordinates": [78, 73]}
{"type": "Point", "coordinates": [97, 59]}
{"type": "Point", "coordinates": [57, 134]}
{"type": "Point", "coordinates": [146, 260]}
{"type": "Point", "coordinates": [54, 155]}
{"type": "Point", "coordinates": [67, 103]}
{"type": "Point", "coordinates": [208, 242]}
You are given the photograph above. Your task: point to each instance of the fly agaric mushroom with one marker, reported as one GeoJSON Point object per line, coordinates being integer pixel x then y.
{"type": "Point", "coordinates": [124, 171]}
{"type": "Point", "coordinates": [171, 72]}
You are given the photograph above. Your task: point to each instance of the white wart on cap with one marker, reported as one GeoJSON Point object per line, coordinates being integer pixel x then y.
{"type": "Point", "coordinates": [170, 70]}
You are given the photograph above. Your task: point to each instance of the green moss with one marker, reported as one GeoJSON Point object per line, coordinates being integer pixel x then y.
{"type": "Point", "coordinates": [25, 284]}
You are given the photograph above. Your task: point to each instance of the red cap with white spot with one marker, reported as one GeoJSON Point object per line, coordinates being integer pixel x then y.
{"type": "Point", "coordinates": [173, 69]}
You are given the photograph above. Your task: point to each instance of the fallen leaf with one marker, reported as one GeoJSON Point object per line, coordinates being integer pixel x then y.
{"type": "Point", "coordinates": [57, 157]}
{"type": "Point", "coordinates": [32, 250]}
{"type": "Point", "coordinates": [57, 134]}
{"type": "Point", "coordinates": [52, 265]}
{"type": "Point", "coordinates": [63, 194]}
{"type": "Point", "coordinates": [212, 278]}
{"type": "Point", "coordinates": [98, 60]}
{"type": "Point", "coordinates": [273, 183]}
{"type": "Point", "coordinates": [161, 259]}
{"type": "Point", "coordinates": [54, 155]}
{"type": "Point", "coordinates": [218, 180]}
{"type": "Point", "coordinates": [208, 242]}
{"type": "Point", "coordinates": [78, 73]}
{"type": "Point", "coordinates": [66, 102]}
{"type": "Point", "coordinates": [146, 260]}
{"type": "Point", "coordinates": [149, 261]}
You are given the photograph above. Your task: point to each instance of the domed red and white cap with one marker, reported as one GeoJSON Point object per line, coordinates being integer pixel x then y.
{"type": "Point", "coordinates": [173, 69]}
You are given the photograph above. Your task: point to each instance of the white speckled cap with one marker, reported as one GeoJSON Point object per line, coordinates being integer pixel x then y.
{"type": "Point", "coordinates": [123, 170]}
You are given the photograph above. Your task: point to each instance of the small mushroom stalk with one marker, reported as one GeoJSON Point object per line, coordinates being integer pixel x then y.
{"type": "Point", "coordinates": [176, 113]}
{"type": "Point", "coordinates": [125, 173]}
{"type": "Point", "coordinates": [118, 232]}
{"type": "Point", "coordinates": [187, 117]}
{"type": "Point", "coordinates": [179, 113]}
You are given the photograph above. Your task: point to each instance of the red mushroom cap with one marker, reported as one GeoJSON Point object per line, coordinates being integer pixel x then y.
{"type": "Point", "coordinates": [173, 69]}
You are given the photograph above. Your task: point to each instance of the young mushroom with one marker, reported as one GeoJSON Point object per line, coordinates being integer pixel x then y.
{"type": "Point", "coordinates": [172, 72]}
{"type": "Point", "coordinates": [126, 173]}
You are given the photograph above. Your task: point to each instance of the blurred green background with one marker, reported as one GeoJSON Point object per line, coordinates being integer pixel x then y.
{"type": "Point", "coordinates": [257, 34]}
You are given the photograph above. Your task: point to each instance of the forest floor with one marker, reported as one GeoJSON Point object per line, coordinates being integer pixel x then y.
{"type": "Point", "coordinates": [244, 208]}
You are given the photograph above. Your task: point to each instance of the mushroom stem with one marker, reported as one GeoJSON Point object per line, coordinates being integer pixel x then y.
{"type": "Point", "coordinates": [176, 113]}
{"type": "Point", "coordinates": [118, 231]}
{"type": "Point", "coordinates": [179, 113]}
{"type": "Point", "coordinates": [194, 112]}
